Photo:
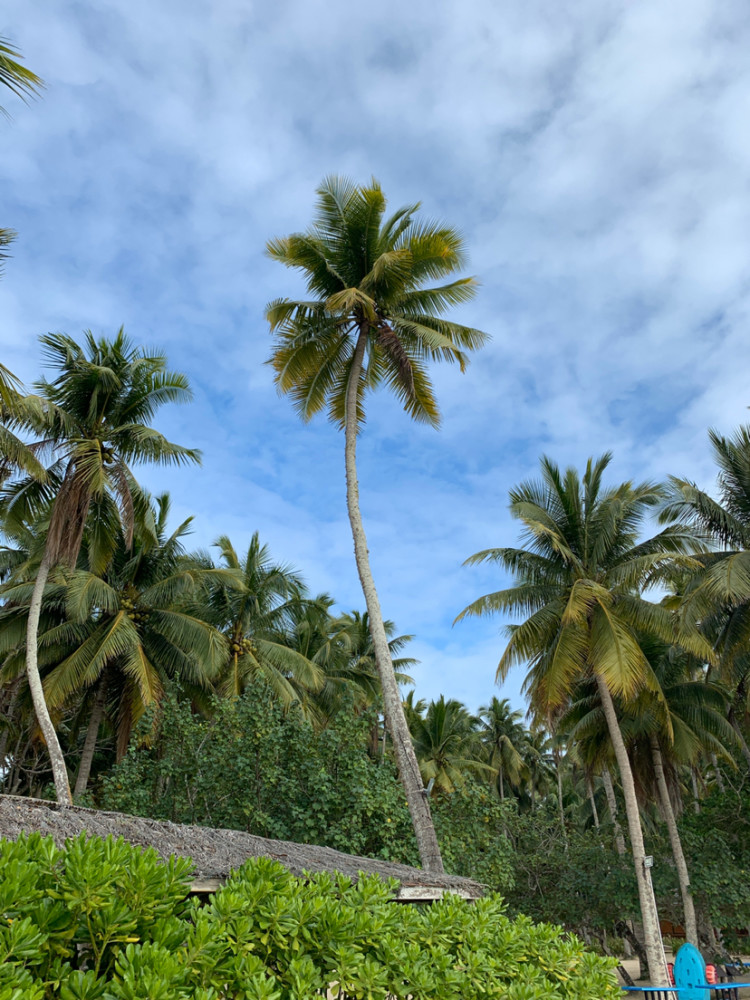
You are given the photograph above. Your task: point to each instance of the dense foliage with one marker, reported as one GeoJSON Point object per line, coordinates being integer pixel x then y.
{"type": "Point", "coordinates": [219, 691]}
{"type": "Point", "coordinates": [103, 919]}
{"type": "Point", "coordinates": [250, 766]}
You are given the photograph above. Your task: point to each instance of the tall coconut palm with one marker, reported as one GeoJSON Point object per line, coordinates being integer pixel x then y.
{"type": "Point", "coordinates": [579, 582]}
{"type": "Point", "coordinates": [14, 75]}
{"type": "Point", "coordinates": [719, 596]}
{"type": "Point", "coordinates": [355, 669]}
{"type": "Point", "coordinates": [136, 629]}
{"type": "Point", "coordinates": [95, 418]}
{"type": "Point", "coordinates": [371, 321]}
{"type": "Point", "coordinates": [671, 733]}
{"type": "Point", "coordinates": [664, 735]}
{"type": "Point", "coordinates": [23, 83]}
{"type": "Point", "coordinates": [255, 610]}
{"type": "Point", "coordinates": [113, 639]}
{"type": "Point", "coordinates": [448, 746]}
{"type": "Point", "coordinates": [16, 455]}
{"type": "Point", "coordinates": [505, 737]}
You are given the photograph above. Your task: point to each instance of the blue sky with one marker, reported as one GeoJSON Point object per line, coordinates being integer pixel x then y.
{"type": "Point", "coordinates": [595, 155]}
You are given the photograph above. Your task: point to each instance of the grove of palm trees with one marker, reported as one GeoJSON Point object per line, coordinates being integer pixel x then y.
{"type": "Point", "coordinates": [145, 674]}
{"type": "Point", "coordinates": [212, 687]}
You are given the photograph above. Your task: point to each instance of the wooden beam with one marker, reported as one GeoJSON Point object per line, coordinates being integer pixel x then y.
{"type": "Point", "coordinates": [206, 884]}
{"type": "Point", "coordinates": [406, 894]}
{"type": "Point", "coordinates": [426, 893]}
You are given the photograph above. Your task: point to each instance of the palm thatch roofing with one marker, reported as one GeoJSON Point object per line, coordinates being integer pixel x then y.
{"type": "Point", "coordinates": [216, 852]}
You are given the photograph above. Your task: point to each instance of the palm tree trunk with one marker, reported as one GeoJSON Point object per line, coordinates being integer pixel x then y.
{"type": "Point", "coordinates": [89, 745]}
{"type": "Point", "coordinates": [657, 966]}
{"type": "Point", "coordinates": [10, 713]}
{"type": "Point", "coordinates": [609, 792]}
{"type": "Point", "coordinates": [691, 926]}
{"type": "Point", "coordinates": [696, 796]}
{"type": "Point", "coordinates": [592, 800]}
{"type": "Point", "coordinates": [740, 736]}
{"type": "Point", "coordinates": [406, 759]}
{"type": "Point", "coordinates": [502, 784]}
{"type": "Point", "coordinates": [560, 808]}
{"type": "Point", "coordinates": [59, 771]}
{"type": "Point", "coordinates": [717, 774]}
{"type": "Point", "coordinates": [612, 803]}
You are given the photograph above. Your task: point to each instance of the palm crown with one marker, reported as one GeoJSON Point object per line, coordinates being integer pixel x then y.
{"type": "Point", "coordinates": [579, 582]}
{"type": "Point", "coordinates": [367, 274]}
{"type": "Point", "coordinates": [94, 417]}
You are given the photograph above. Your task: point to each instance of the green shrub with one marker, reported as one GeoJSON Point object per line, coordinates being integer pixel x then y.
{"type": "Point", "coordinates": [105, 921]}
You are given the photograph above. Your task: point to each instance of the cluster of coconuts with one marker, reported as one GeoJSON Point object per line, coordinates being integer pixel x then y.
{"type": "Point", "coordinates": [242, 646]}
{"type": "Point", "coordinates": [134, 612]}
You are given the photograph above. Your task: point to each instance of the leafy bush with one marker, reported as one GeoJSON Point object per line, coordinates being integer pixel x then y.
{"type": "Point", "coordinates": [105, 921]}
{"type": "Point", "coordinates": [252, 767]}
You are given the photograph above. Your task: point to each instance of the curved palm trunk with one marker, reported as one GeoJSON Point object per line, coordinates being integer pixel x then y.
{"type": "Point", "coordinates": [696, 795]}
{"type": "Point", "coordinates": [560, 807]}
{"type": "Point", "coordinates": [592, 800]}
{"type": "Point", "coordinates": [740, 736]}
{"type": "Point", "coordinates": [612, 803]}
{"type": "Point", "coordinates": [59, 771]}
{"type": "Point", "coordinates": [406, 759]}
{"type": "Point", "coordinates": [89, 745]}
{"type": "Point", "coordinates": [691, 927]}
{"type": "Point", "coordinates": [657, 966]}
{"type": "Point", "coordinates": [717, 774]}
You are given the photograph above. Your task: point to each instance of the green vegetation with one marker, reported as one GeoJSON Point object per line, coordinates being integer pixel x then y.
{"type": "Point", "coordinates": [102, 919]}
{"type": "Point", "coordinates": [24, 83]}
{"type": "Point", "coordinates": [217, 690]}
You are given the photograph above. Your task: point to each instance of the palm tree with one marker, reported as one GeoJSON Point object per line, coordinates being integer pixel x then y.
{"type": "Point", "coordinates": [254, 609]}
{"type": "Point", "coordinates": [94, 416]}
{"type": "Point", "coordinates": [6, 238]}
{"type": "Point", "coordinates": [672, 733]}
{"type": "Point", "coordinates": [414, 710]}
{"type": "Point", "coordinates": [14, 75]}
{"type": "Point", "coordinates": [665, 735]}
{"type": "Point", "coordinates": [448, 747]}
{"type": "Point", "coordinates": [585, 727]}
{"type": "Point", "coordinates": [578, 581]}
{"type": "Point", "coordinates": [133, 630]}
{"type": "Point", "coordinates": [23, 83]}
{"type": "Point", "coordinates": [719, 596]}
{"type": "Point", "coordinates": [371, 321]}
{"type": "Point", "coordinates": [354, 669]}
{"type": "Point", "coordinates": [505, 737]}
{"type": "Point", "coordinates": [537, 758]}
{"type": "Point", "coordinates": [16, 455]}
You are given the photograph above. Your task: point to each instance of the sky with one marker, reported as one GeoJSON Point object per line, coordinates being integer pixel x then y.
{"type": "Point", "coordinates": [595, 156]}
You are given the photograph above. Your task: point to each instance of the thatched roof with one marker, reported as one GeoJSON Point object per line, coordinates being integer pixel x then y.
{"type": "Point", "coordinates": [216, 852]}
